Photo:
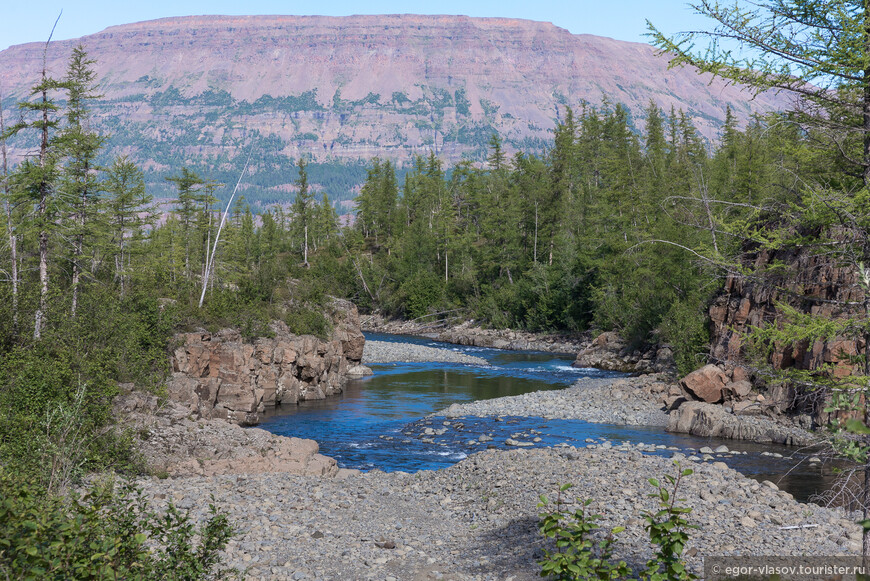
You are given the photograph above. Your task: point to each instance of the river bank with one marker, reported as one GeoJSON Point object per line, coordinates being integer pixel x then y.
{"type": "Point", "coordinates": [390, 352]}
{"type": "Point", "coordinates": [477, 519]}
{"type": "Point", "coordinates": [468, 333]}
{"type": "Point", "coordinates": [632, 401]}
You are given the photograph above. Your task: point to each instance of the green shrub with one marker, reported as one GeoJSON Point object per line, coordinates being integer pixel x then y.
{"type": "Point", "coordinates": [108, 533]}
{"type": "Point", "coordinates": [421, 292]}
{"type": "Point", "coordinates": [685, 327]}
{"type": "Point", "coordinates": [669, 531]}
{"type": "Point", "coordinates": [305, 321]}
{"type": "Point", "coordinates": [580, 557]}
{"type": "Point", "coordinates": [56, 393]}
{"type": "Point", "coordinates": [577, 556]}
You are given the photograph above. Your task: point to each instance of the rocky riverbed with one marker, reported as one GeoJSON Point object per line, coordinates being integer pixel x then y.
{"type": "Point", "coordinates": [462, 332]}
{"type": "Point", "coordinates": [388, 352]}
{"type": "Point", "coordinates": [477, 519]}
{"type": "Point", "coordinates": [626, 401]}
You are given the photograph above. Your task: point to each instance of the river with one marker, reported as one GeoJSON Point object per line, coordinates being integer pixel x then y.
{"type": "Point", "coordinates": [381, 422]}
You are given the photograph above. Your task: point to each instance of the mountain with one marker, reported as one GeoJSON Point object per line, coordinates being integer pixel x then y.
{"type": "Point", "coordinates": [340, 90]}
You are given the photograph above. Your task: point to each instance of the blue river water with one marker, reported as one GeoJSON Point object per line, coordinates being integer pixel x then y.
{"type": "Point", "coordinates": [381, 422]}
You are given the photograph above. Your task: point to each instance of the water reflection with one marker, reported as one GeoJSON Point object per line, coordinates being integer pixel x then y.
{"type": "Point", "coordinates": [379, 421]}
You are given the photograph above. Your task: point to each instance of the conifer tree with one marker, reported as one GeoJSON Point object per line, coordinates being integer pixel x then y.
{"type": "Point", "coordinates": [128, 210]}
{"type": "Point", "coordinates": [303, 211]}
{"type": "Point", "coordinates": [35, 180]}
{"type": "Point", "coordinates": [80, 145]}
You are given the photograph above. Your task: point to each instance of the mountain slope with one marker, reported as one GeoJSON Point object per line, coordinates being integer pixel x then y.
{"type": "Point", "coordinates": [197, 90]}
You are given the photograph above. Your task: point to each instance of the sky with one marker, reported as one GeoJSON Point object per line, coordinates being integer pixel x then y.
{"type": "Point", "coordinates": [22, 22]}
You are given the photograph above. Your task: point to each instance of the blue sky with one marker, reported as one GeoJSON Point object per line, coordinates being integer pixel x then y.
{"type": "Point", "coordinates": [22, 22]}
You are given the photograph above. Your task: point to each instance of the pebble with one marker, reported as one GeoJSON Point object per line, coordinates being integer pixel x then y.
{"type": "Point", "coordinates": [459, 520]}
{"type": "Point", "coordinates": [388, 352]}
{"type": "Point", "coordinates": [621, 401]}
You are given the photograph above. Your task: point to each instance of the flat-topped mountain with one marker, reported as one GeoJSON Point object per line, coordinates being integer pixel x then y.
{"type": "Point", "coordinates": [197, 90]}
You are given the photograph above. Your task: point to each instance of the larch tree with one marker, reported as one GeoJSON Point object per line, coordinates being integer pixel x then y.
{"type": "Point", "coordinates": [303, 210]}
{"type": "Point", "coordinates": [80, 144]}
{"type": "Point", "coordinates": [35, 180]}
{"type": "Point", "coordinates": [127, 202]}
{"type": "Point", "coordinates": [818, 51]}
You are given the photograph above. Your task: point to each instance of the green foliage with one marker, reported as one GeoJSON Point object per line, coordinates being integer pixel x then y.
{"type": "Point", "coordinates": [581, 557]}
{"type": "Point", "coordinates": [55, 394]}
{"type": "Point", "coordinates": [421, 294]}
{"type": "Point", "coordinates": [109, 533]}
{"type": "Point", "coordinates": [668, 531]}
{"type": "Point", "coordinates": [308, 321]}
{"type": "Point", "coordinates": [686, 328]}
{"type": "Point", "coordinates": [577, 555]}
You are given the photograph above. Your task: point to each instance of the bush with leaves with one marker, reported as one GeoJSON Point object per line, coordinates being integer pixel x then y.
{"type": "Point", "coordinates": [577, 556]}
{"type": "Point", "coordinates": [108, 533]}
{"type": "Point", "coordinates": [669, 531]}
{"type": "Point", "coordinates": [580, 557]}
{"type": "Point", "coordinates": [56, 393]}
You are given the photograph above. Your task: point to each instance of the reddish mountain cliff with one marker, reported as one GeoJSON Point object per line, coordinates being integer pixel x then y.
{"type": "Point", "coordinates": [348, 88]}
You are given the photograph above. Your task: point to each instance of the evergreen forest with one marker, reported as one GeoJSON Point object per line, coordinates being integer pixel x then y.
{"type": "Point", "coordinates": [612, 228]}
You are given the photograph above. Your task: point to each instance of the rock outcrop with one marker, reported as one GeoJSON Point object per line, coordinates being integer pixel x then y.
{"type": "Point", "coordinates": [173, 444]}
{"type": "Point", "coordinates": [710, 420]}
{"type": "Point", "coordinates": [348, 88]}
{"type": "Point", "coordinates": [813, 285]}
{"type": "Point", "coordinates": [222, 376]}
{"type": "Point", "coordinates": [609, 351]}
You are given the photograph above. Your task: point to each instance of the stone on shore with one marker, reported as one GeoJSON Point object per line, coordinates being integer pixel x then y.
{"type": "Point", "coordinates": [173, 444]}
{"type": "Point", "coordinates": [477, 520]}
{"type": "Point", "coordinates": [708, 420]}
{"type": "Point", "coordinates": [707, 384]}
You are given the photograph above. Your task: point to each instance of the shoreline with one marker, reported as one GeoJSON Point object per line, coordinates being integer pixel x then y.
{"type": "Point", "coordinates": [629, 401]}
{"type": "Point", "coordinates": [477, 520]}
{"type": "Point", "coordinates": [390, 352]}
{"type": "Point", "coordinates": [468, 334]}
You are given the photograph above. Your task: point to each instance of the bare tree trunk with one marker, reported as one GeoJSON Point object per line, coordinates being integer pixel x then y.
{"type": "Point", "coordinates": [445, 265]}
{"type": "Point", "coordinates": [43, 214]}
{"type": "Point", "coordinates": [211, 258]}
{"type": "Point", "coordinates": [78, 250]}
{"type": "Point", "coordinates": [305, 249]}
{"type": "Point", "coordinates": [866, 177]}
{"type": "Point", "coordinates": [44, 190]}
{"type": "Point", "coordinates": [10, 231]}
{"type": "Point", "coordinates": [536, 233]}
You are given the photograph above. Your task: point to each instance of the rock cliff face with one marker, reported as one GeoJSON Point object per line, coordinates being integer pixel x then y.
{"type": "Point", "coordinates": [815, 285]}
{"type": "Point", "coordinates": [222, 376]}
{"type": "Point", "coordinates": [348, 88]}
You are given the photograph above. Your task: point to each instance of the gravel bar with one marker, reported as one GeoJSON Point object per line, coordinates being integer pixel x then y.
{"type": "Point", "coordinates": [477, 520]}
{"type": "Point", "coordinates": [389, 352]}
{"type": "Point", "coordinates": [621, 401]}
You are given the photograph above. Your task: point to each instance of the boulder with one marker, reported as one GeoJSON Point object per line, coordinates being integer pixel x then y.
{"type": "Point", "coordinates": [359, 371]}
{"type": "Point", "coordinates": [706, 384]}
{"type": "Point", "coordinates": [738, 389]}
{"type": "Point", "coordinates": [604, 353]}
{"type": "Point", "coordinates": [712, 421]}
